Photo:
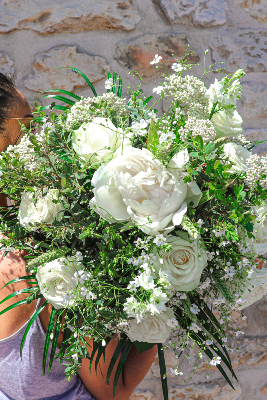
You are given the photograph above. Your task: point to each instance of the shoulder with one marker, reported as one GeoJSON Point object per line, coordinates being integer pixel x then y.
{"type": "Point", "coordinates": [13, 266]}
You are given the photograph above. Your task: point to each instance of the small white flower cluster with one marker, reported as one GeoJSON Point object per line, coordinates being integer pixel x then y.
{"type": "Point", "coordinates": [257, 166]}
{"type": "Point", "coordinates": [156, 59]}
{"type": "Point", "coordinates": [189, 91]}
{"type": "Point", "coordinates": [177, 67]}
{"type": "Point", "coordinates": [25, 150]}
{"type": "Point", "coordinates": [144, 258]}
{"type": "Point", "coordinates": [166, 137]}
{"type": "Point", "coordinates": [225, 96]}
{"type": "Point", "coordinates": [140, 127]}
{"type": "Point", "coordinates": [194, 127]}
{"type": "Point", "coordinates": [87, 109]}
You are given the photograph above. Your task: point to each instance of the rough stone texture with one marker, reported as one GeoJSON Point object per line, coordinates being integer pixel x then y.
{"type": "Point", "coordinates": [61, 16]}
{"type": "Point", "coordinates": [204, 13]}
{"type": "Point", "coordinates": [147, 395]}
{"type": "Point", "coordinates": [6, 64]}
{"type": "Point", "coordinates": [216, 390]}
{"type": "Point", "coordinates": [244, 49]}
{"type": "Point", "coordinates": [256, 8]}
{"type": "Point", "coordinates": [46, 69]}
{"type": "Point", "coordinates": [137, 53]}
{"type": "Point", "coordinates": [257, 135]}
{"type": "Point", "coordinates": [254, 99]}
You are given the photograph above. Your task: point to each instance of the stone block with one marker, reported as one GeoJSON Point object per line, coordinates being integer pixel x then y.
{"type": "Point", "coordinates": [6, 64]}
{"type": "Point", "coordinates": [144, 395]}
{"type": "Point", "coordinates": [254, 96]}
{"type": "Point", "coordinates": [202, 13]}
{"type": "Point", "coordinates": [245, 49]}
{"type": "Point", "coordinates": [256, 8]}
{"type": "Point", "coordinates": [257, 135]}
{"type": "Point", "coordinates": [46, 73]}
{"type": "Point", "coordinates": [137, 53]}
{"type": "Point", "coordinates": [67, 16]}
{"type": "Point", "coordinates": [216, 390]}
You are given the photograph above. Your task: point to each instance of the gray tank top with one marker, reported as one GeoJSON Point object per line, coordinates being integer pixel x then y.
{"type": "Point", "coordinates": [24, 380]}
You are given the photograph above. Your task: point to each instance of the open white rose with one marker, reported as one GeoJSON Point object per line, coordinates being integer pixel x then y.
{"type": "Point", "coordinates": [43, 211]}
{"type": "Point", "coordinates": [260, 231]}
{"type": "Point", "coordinates": [95, 142]}
{"type": "Point", "coordinates": [152, 328]}
{"type": "Point", "coordinates": [237, 155]}
{"type": "Point", "coordinates": [136, 186]}
{"type": "Point", "coordinates": [227, 125]}
{"type": "Point", "coordinates": [185, 262]}
{"type": "Point", "coordinates": [57, 279]}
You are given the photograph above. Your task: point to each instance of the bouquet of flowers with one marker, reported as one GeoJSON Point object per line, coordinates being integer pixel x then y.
{"type": "Point", "coordinates": [138, 224]}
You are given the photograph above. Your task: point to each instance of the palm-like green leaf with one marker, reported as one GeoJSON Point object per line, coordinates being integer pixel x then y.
{"type": "Point", "coordinates": [75, 96]}
{"type": "Point", "coordinates": [56, 107]}
{"type": "Point", "coordinates": [21, 278]}
{"type": "Point", "coordinates": [33, 318]}
{"type": "Point", "coordinates": [147, 100]}
{"type": "Point", "coordinates": [26, 290]}
{"type": "Point", "coordinates": [60, 98]}
{"type": "Point", "coordinates": [163, 375]}
{"type": "Point", "coordinates": [47, 338]}
{"type": "Point", "coordinates": [124, 355]}
{"type": "Point", "coordinates": [109, 77]}
{"type": "Point", "coordinates": [55, 340]}
{"type": "Point", "coordinates": [119, 91]}
{"type": "Point", "coordinates": [114, 82]}
{"type": "Point", "coordinates": [87, 80]}
{"type": "Point", "coordinates": [115, 356]}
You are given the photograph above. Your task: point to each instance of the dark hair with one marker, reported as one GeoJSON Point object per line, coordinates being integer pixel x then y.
{"type": "Point", "coordinates": [7, 94]}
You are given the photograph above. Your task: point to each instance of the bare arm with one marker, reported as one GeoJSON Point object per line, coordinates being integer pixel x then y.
{"type": "Point", "coordinates": [135, 369]}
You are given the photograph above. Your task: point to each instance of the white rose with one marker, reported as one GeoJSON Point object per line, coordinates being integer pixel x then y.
{"type": "Point", "coordinates": [227, 125]}
{"type": "Point", "coordinates": [237, 155]}
{"type": "Point", "coordinates": [185, 261]}
{"type": "Point", "coordinates": [260, 231]}
{"type": "Point", "coordinates": [96, 141]}
{"type": "Point", "coordinates": [152, 328]}
{"type": "Point", "coordinates": [136, 186]}
{"type": "Point", "coordinates": [43, 211]}
{"type": "Point", "coordinates": [57, 279]}
{"type": "Point", "coordinates": [250, 295]}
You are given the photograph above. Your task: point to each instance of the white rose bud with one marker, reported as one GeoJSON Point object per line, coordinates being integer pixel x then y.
{"type": "Point", "coordinates": [137, 186]}
{"type": "Point", "coordinates": [238, 155]}
{"type": "Point", "coordinates": [227, 125]}
{"type": "Point", "coordinates": [152, 328]}
{"type": "Point", "coordinates": [57, 279]}
{"type": "Point", "coordinates": [43, 211]}
{"type": "Point", "coordinates": [95, 142]}
{"type": "Point", "coordinates": [185, 262]}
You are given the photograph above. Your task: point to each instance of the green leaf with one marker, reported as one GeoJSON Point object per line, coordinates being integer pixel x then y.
{"type": "Point", "coordinates": [101, 351]}
{"type": "Point", "coordinates": [163, 374]}
{"type": "Point", "coordinates": [147, 100]}
{"type": "Point", "coordinates": [124, 355]}
{"type": "Point", "coordinates": [227, 167]}
{"type": "Point", "coordinates": [47, 338]}
{"type": "Point", "coordinates": [199, 141]}
{"type": "Point", "coordinates": [87, 80]}
{"type": "Point", "coordinates": [60, 98]}
{"type": "Point", "coordinates": [75, 96]}
{"type": "Point", "coordinates": [33, 318]}
{"type": "Point", "coordinates": [209, 148]}
{"type": "Point", "coordinates": [249, 227]}
{"type": "Point", "coordinates": [18, 303]}
{"type": "Point", "coordinates": [54, 341]}
{"type": "Point", "coordinates": [119, 91]}
{"type": "Point", "coordinates": [109, 76]}
{"type": "Point", "coordinates": [26, 290]}
{"type": "Point", "coordinates": [62, 108]}
{"type": "Point", "coordinates": [153, 137]}
{"type": "Point", "coordinates": [216, 164]}
{"type": "Point", "coordinates": [143, 346]}
{"type": "Point", "coordinates": [114, 82]}
{"type": "Point", "coordinates": [21, 278]}
{"type": "Point", "coordinates": [115, 356]}
{"type": "Point", "coordinates": [211, 186]}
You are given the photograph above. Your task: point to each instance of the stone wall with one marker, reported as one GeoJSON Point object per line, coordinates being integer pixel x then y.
{"type": "Point", "coordinates": [37, 38]}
